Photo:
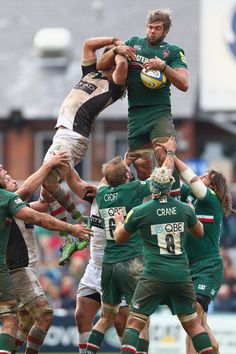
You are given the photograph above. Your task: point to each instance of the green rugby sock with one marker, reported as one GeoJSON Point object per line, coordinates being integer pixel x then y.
{"type": "Point", "coordinates": [94, 341]}
{"type": "Point", "coordinates": [142, 346]}
{"type": "Point", "coordinates": [130, 341]}
{"type": "Point", "coordinates": [202, 343]}
{"type": "Point", "coordinates": [7, 343]}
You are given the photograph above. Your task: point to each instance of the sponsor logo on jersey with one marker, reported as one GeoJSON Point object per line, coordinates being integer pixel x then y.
{"type": "Point", "coordinates": [190, 199]}
{"type": "Point", "coordinates": [86, 87]}
{"type": "Point", "coordinates": [182, 57]}
{"type": "Point", "coordinates": [201, 287]}
{"type": "Point", "coordinates": [137, 47]}
{"type": "Point", "coordinates": [18, 201]}
{"type": "Point", "coordinates": [166, 53]}
{"type": "Point", "coordinates": [136, 305]}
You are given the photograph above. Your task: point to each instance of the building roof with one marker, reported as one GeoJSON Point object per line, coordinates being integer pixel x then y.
{"type": "Point", "coordinates": [39, 91]}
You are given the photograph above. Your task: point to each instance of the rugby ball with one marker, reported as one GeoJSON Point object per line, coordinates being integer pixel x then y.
{"type": "Point", "coordinates": [152, 79]}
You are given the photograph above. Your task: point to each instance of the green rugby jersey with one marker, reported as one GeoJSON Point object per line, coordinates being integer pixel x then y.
{"type": "Point", "coordinates": [210, 212]}
{"type": "Point", "coordinates": [163, 225]}
{"type": "Point", "coordinates": [110, 200]}
{"type": "Point", "coordinates": [10, 204]}
{"type": "Point", "coordinates": [138, 94]}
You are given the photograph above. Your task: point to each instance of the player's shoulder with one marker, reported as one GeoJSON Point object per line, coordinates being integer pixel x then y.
{"type": "Point", "coordinates": [134, 40]}
{"type": "Point", "coordinates": [6, 194]}
{"type": "Point", "coordinates": [173, 46]}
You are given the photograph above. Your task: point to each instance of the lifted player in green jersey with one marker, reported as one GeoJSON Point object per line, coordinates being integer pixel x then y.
{"type": "Point", "coordinates": [149, 118]}
{"type": "Point", "coordinates": [163, 223]}
{"type": "Point", "coordinates": [210, 196]}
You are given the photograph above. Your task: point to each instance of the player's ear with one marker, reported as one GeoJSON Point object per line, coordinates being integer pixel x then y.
{"type": "Point", "coordinates": [128, 175]}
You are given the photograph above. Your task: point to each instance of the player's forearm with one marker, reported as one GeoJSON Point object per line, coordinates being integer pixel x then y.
{"type": "Point", "coordinates": [178, 77]}
{"type": "Point", "coordinates": [76, 184]}
{"type": "Point", "coordinates": [191, 179]}
{"type": "Point", "coordinates": [48, 222]}
{"type": "Point", "coordinates": [106, 60]}
{"type": "Point", "coordinates": [120, 234]}
{"type": "Point", "coordinates": [33, 182]}
{"type": "Point", "coordinates": [100, 42]}
{"type": "Point", "coordinates": [40, 206]}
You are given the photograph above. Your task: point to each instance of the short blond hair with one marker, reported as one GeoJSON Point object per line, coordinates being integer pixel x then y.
{"type": "Point", "coordinates": [160, 15]}
{"type": "Point", "coordinates": [115, 171]}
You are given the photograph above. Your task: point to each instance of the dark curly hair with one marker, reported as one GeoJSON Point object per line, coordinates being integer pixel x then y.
{"type": "Point", "coordinates": [220, 187]}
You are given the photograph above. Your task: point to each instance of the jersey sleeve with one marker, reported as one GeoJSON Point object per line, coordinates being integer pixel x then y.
{"type": "Point", "coordinates": [144, 188]}
{"type": "Point", "coordinates": [130, 222]}
{"type": "Point", "coordinates": [177, 58]}
{"type": "Point", "coordinates": [192, 218]}
{"type": "Point", "coordinates": [210, 200]}
{"type": "Point", "coordinates": [128, 41]}
{"type": "Point", "coordinates": [15, 204]}
{"type": "Point", "coordinates": [86, 69]}
{"type": "Point", "coordinates": [184, 192]}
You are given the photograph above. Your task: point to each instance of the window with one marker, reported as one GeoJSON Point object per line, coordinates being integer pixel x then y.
{"type": "Point", "coordinates": [43, 140]}
{"type": "Point", "coordinates": [116, 144]}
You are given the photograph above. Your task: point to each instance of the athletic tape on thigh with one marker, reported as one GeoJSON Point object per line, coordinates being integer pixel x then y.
{"type": "Point", "coordinates": [139, 316]}
{"type": "Point", "coordinates": [8, 309]}
{"type": "Point", "coordinates": [110, 308]}
{"type": "Point", "coordinates": [145, 154]}
{"type": "Point", "coordinates": [39, 307]}
{"type": "Point", "coordinates": [186, 318]}
{"type": "Point", "coordinates": [54, 176]}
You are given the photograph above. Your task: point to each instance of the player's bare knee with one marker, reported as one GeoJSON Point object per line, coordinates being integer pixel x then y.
{"type": "Point", "coordinates": [143, 168]}
{"type": "Point", "coordinates": [9, 323]}
{"type": "Point", "coordinates": [159, 152]}
{"type": "Point", "coordinates": [53, 178]}
{"type": "Point", "coordinates": [108, 314]}
{"type": "Point", "coordinates": [42, 313]}
{"type": "Point", "coordinates": [137, 321]}
{"type": "Point", "coordinates": [83, 323]}
{"type": "Point", "coordinates": [25, 321]}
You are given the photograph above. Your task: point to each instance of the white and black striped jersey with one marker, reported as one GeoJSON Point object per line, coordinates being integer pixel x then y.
{"type": "Point", "coordinates": [91, 95]}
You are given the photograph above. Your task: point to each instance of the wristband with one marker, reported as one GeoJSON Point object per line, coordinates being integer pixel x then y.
{"type": "Point", "coordinates": [170, 152]}
{"type": "Point", "coordinates": [114, 39]}
{"type": "Point", "coordinates": [163, 67]}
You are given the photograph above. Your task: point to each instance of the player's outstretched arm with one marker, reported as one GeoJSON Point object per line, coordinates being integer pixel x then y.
{"type": "Point", "coordinates": [120, 73]}
{"type": "Point", "coordinates": [37, 178]}
{"type": "Point", "coordinates": [197, 230]}
{"type": "Point", "coordinates": [48, 222]}
{"type": "Point", "coordinates": [91, 45]}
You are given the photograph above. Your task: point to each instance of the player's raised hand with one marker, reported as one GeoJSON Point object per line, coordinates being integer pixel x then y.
{"type": "Point", "coordinates": [58, 159]}
{"type": "Point", "coordinates": [80, 231]}
{"type": "Point", "coordinates": [170, 144]}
